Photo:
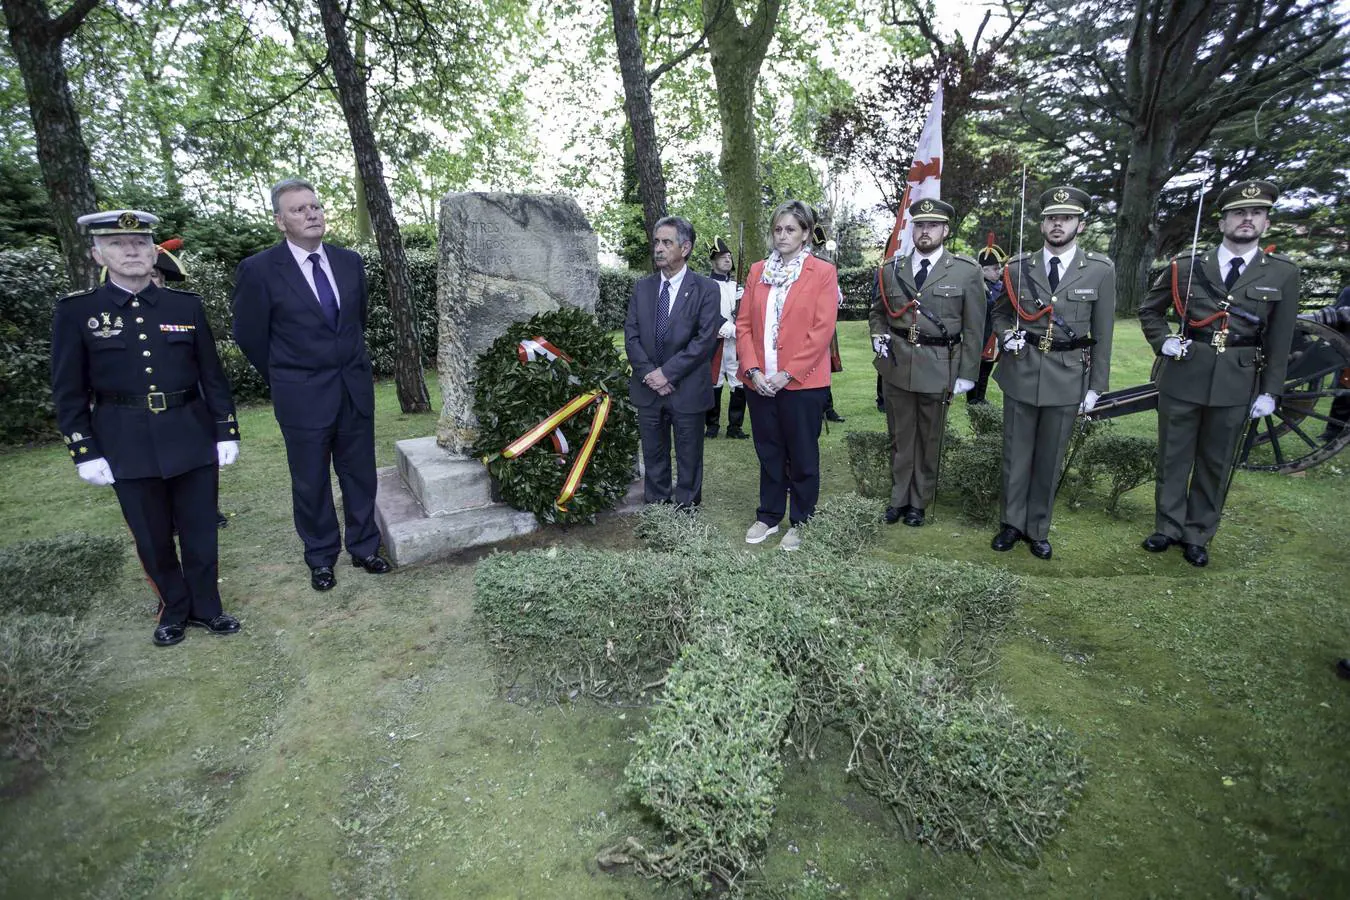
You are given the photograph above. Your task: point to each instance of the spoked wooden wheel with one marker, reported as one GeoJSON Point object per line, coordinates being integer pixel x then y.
{"type": "Point", "coordinates": [1303, 431]}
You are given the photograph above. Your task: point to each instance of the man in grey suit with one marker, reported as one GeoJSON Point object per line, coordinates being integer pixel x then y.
{"type": "Point", "coordinates": [1055, 322]}
{"type": "Point", "coordinates": [670, 335]}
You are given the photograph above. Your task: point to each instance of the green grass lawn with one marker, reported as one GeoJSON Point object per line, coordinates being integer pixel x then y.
{"type": "Point", "coordinates": [355, 743]}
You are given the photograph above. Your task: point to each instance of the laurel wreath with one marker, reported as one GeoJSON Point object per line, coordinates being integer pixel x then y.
{"type": "Point", "coordinates": [511, 397]}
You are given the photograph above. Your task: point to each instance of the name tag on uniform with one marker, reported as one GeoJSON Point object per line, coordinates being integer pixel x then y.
{"type": "Point", "coordinates": [178, 328]}
{"type": "Point", "coordinates": [1085, 292]}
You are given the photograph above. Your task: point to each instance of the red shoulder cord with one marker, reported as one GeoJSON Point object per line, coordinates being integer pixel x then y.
{"type": "Point", "coordinates": [1181, 309]}
{"type": "Point", "coordinates": [1012, 298]}
{"type": "Point", "coordinates": [885, 301]}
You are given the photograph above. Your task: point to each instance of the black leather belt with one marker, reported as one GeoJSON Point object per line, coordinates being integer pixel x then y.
{"type": "Point", "coordinates": [928, 340]}
{"type": "Point", "coordinates": [1206, 336]}
{"type": "Point", "coordinates": [1075, 344]}
{"type": "Point", "coordinates": [156, 401]}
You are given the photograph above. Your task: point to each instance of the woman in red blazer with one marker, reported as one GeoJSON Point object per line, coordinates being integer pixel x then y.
{"type": "Point", "coordinates": [783, 333]}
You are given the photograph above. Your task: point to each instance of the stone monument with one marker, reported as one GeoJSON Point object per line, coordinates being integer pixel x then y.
{"type": "Point", "coordinates": [504, 257]}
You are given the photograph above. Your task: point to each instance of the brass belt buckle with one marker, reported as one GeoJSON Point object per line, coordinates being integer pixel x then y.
{"type": "Point", "coordinates": [1044, 343]}
{"type": "Point", "coordinates": [156, 406]}
{"type": "Point", "coordinates": [913, 336]}
{"type": "Point", "coordinates": [1219, 341]}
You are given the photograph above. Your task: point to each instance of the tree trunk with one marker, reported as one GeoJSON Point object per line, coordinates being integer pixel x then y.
{"type": "Point", "coordinates": [737, 53]}
{"type": "Point", "coordinates": [411, 386]}
{"type": "Point", "coordinates": [62, 153]}
{"type": "Point", "coordinates": [1135, 240]}
{"type": "Point", "coordinates": [637, 106]}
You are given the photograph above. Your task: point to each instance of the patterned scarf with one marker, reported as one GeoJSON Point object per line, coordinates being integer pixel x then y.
{"type": "Point", "coordinates": [780, 274]}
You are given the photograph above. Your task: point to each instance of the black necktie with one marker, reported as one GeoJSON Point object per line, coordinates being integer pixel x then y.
{"type": "Point", "coordinates": [662, 320]}
{"type": "Point", "coordinates": [1234, 270]}
{"type": "Point", "coordinates": [1054, 272]}
{"type": "Point", "coordinates": [922, 275]}
{"type": "Point", "coordinates": [327, 299]}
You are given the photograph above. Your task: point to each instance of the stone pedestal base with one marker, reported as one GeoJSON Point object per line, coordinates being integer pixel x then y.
{"type": "Point", "coordinates": [434, 503]}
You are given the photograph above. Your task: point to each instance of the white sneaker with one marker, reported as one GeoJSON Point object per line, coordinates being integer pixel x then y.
{"type": "Point", "coordinates": [791, 541]}
{"type": "Point", "coordinates": [759, 531]}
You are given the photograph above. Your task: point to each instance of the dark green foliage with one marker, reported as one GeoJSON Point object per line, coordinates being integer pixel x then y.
{"type": "Point", "coordinates": [959, 771]}
{"type": "Point", "coordinates": [708, 764]}
{"type": "Point", "coordinates": [986, 420]}
{"type": "Point", "coordinates": [222, 239]}
{"type": "Point", "coordinates": [972, 475]}
{"type": "Point", "coordinates": [62, 575]}
{"type": "Point", "coordinates": [46, 681]}
{"type": "Point", "coordinates": [843, 526]}
{"type": "Point", "coordinates": [1127, 460]}
{"type": "Point", "coordinates": [857, 286]}
{"type": "Point", "coordinates": [25, 213]}
{"type": "Point", "coordinates": [869, 459]}
{"type": "Point", "coordinates": [665, 529]}
{"type": "Point", "coordinates": [380, 323]}
{"type": "Point", "coordinates": [616, 288]}
{"type": "Point", "coordinates": [511, 397]}
{"type": "Point", "coordinates": [30, 281]}
{"type": "Point", "coordinates": [594, 621]}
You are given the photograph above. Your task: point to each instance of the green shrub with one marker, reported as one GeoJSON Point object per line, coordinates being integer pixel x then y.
{"type": "Point", "coordinates": [1080, 471]}
{"type": "Point", "coordinates": [857, 286]}
{"type": "Point", "coordinates": [708, 765]}
{"type": "Point", "coordinates": [664, 529]}
{"type": "Point", "coordinates": [972, 476]}
{"type": "Point", "coordinates": [30, 282]}
{"type": "Point", "coordinates": [616, 288]}
{"type": "Point", "coordinates": [1127, 460]}
{"type": "Point", "coordinates": [245, 382]}
{"type": "Point", "coordinates": [422, 272]}
{"type": "Point", "coordinates": [843, 526]}
{"type": "Point", "coordinates": [869, 459]}
{"type": "Point", "coordinates": [986, 420]}
{"type": "Point", "coordinates": [58, 575]}
{"type": "Point", "coordinates": [592, 621]}
{"type": "Point", "coordinates": [959, 772]}
{"type": "Point", "coordinates": [46, 681]}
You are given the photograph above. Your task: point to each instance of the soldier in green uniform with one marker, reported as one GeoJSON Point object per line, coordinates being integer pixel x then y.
{"type": "Point", "coordinates": [1054, 321]}
{"type": "Point", "coordinates": [926, 324]}
{"type": "Point", "coordinates": [1236, 307]}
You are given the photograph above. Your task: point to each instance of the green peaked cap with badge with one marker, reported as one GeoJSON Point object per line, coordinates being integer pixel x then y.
{"type": "Point", "coordinates": [1247, 195]}
{"type": "Point", "coordinates": [932, 210]}
{"type": "Point", "coordinates": [1065, 201]}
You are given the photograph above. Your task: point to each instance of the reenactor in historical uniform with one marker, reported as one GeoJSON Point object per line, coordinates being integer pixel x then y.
{"type": "Point", "coordinates": [1225, 362]}
{"type": "Point", "coordinates": [144, 406]}
{"type": "Point", "coordinates": [724, 358]}
{"type": "Point", "coordinates": [926, 325]}
{"type": "Point", "coordinates": [1054, 321]}
{"type": "Point", "coordinates": [991, 259]}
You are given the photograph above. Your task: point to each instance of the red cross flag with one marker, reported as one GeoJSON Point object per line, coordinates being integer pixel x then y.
{"type": "Point", "coordinates": [924, 180]}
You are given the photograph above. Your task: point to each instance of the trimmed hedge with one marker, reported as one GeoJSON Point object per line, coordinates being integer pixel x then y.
{"type": "Point", "coordinates": [58, 575]}
{"type": "Point", "coordinates": [46, 681]}
{"type": "Point", "coordinates": [30, 281]}
{"type": "Point", "coordinates": [1127, 460]}
{"type": "Point", "coordinates": [869, 459]}
{"type": "Point", "coordinates": [856, 285]}
{"type": "Point", "coordinates": [616, 288]}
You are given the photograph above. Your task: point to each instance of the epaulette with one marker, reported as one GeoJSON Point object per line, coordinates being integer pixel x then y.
{"type": "Point", "coordinates": [965, 259]}
{"type": "Point", "coordinates": [1200, 250]}
{"type": "Point", "coordinates": [1098, 257]}
{"type": "Point", "coordinates": [75, 294]}
{"type": "Point", "coordinates": [1282, 257]}
{"type": "Point", "coordinates": [1018, 258]}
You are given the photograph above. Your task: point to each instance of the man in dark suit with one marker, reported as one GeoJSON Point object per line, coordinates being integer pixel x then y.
{"type": "Point", "coordinates": [300, 318]}
{"type": "Point", "coordinates": [670, 335]}
{"type": "Point", "coordinates": [144, 406]}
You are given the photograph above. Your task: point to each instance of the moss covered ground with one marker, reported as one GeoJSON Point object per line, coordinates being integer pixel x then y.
{"type": "Point", "coordinates": [356, 743]}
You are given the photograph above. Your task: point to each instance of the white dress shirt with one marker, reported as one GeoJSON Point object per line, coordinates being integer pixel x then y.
{"type": "Point", "coordinates": [674, 287]}
{"type": "Point", "coordinates": [302, 258]}
{"type": "Point", "coordinates": [932, 258]}
{"type": "Point", "coordinates": [1227, 256]}
{"type": "Point", "coordinates": [1065, 260]}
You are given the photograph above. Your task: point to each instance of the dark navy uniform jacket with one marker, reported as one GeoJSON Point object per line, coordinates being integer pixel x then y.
{"type": "Point", "coordinates": [107, 341]}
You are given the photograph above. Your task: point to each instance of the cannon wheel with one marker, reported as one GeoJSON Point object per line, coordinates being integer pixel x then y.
{"type": "Point", "coordinates": [1291, 439]}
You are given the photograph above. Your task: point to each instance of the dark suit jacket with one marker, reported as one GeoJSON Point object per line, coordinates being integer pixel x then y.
{"type": "Point", "coordinates": [281, 328]}
{"type": "Point", "coordinates": [691, 338]}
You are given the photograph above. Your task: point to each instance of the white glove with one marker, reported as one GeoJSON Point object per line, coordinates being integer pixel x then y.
{"type": "Point", "coordinates": [740, 292]}
{"type": "Point", "coordinates": [962, 385]}
{"type": "Point", "coordinates": [1263, 406]}
{"type": "Point", "coordinates": [96, 472]}
{"type": "Point", "coordinates": [881, 345]}
{"type": "Point", "coordinates": [1089, 402]}
{"type": "Point", "coordinates": [227, 452]}
{"type": "Point", "coordinates": [1175, 347]}
{"type": "Point", "coordinates": [1014, 341]}
{"type": "Point", "coordinates": [728, 330]}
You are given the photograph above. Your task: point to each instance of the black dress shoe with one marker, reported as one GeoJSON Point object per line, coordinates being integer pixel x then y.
{"type": "Point", "coordinates": [1157, 542]}
{"type": "Point", "coordinates": [1006, 539]}
{"type": "Point", "coordinates": [168, 635]}
{"type": "Point", "coordinates": [893, 514]}
{"type": "Point", "coordinates": [710, 433]}
{"type": "Point", "coordinates": [881, 405]}
{"type": "Point", "coordinates": [221, 624]}
{"type": "Point", "coordinates": [737, 434]}
{"type": "Point", "coordinates": [1343, 668]}
{"type": "Point", "coordinates": [1196, 555]}
{"type": "Point", "coordinates": [914, 518]}
{"type": "Point", "coordinates": [375, 564]}
{"type": "Point", "coordinates": [1040, 549]}
{"type": "Point", "coordinates": [221, 520]}
{"type": "Point", "coordinates": [832, 416]}
{"type": "Point", "coordinates": [321, 578]}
